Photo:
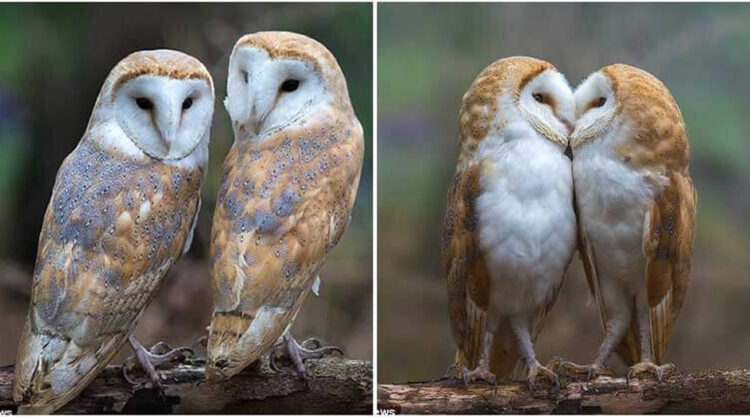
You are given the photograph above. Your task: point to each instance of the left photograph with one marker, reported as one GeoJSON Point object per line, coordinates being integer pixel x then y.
{"type": "Point", "coordinates": [186, 208]}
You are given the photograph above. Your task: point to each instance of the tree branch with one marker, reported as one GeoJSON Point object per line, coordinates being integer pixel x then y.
{"type": "Point", "coordinates": [336, 386]}
{"type": "Point", "coordinates": [713, 392]}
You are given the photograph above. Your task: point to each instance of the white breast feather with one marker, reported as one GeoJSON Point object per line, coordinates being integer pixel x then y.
{"type": "Point", "coordinates": [526, 218]}
{"type": "Point", "coordinates": [613, 199]}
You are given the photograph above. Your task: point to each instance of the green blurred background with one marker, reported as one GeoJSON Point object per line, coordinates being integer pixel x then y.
{"type": "Point", "coordinates": [53, 60]}
{"type": "Point", "coordinates": [428, 55]}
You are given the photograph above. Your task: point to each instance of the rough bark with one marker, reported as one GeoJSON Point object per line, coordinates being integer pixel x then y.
{"type": "Point", "coordinates": [336, 386]}
{"type": "Point", "coordinates": [713, 391]}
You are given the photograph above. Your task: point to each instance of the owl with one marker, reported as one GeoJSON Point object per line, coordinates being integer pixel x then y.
{"type": "Point", "coordinates": [636, 204]}
{"type": "Point", "coordinates": [509, 230]}
{"type": "Point", "coordinates": [288, 187]}
{"type": "Point", "coordinates": [122, 212]}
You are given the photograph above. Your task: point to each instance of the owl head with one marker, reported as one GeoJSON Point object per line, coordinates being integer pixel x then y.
{"type": "Point", "coordinates": [275, 78]}
{"type": "Point", "coordinates": [518, 90]}
{"type": "Point", "coordinates": [620, 101]}
{"type": "Point", "coordinates": [161, 101]}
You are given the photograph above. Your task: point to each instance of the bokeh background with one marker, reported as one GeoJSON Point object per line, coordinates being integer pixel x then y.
{"type": "Point", "coordinates": [53, 60]}
{"type": "Point", "coordinates": [428, 55]}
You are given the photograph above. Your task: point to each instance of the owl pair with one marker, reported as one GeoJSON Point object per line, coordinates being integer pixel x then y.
{"type": "Point", "coordinates": [544, 171]}
{"type": "Point", "coordinates": [126, 201]}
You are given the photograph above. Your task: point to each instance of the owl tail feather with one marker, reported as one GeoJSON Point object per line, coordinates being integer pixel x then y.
{"type": "Point", "coordinates": [52, 370]}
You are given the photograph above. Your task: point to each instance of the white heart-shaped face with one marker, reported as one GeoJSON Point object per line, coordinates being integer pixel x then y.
{"type": "Point", "coordinates": [547, 103]}
{"type": "Point", "coordinates": [596, 105]}
{"type": "Point", "coordinates": [165, 117]}
{"type": "Point", "coordinates": [264, 94]}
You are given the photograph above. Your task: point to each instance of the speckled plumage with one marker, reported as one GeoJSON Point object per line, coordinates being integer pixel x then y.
{"type": "Point", "coordinates": [506, 154]}
{"type": "Point", "coordinates": [114, 226]}
{"type": "Point", "coordinates": [637, 209]}
{"type": "Point", "coordinates": [284, 202]}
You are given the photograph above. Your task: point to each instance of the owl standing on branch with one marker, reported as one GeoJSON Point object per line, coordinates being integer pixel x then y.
{"type": "Point", "coordinates": [287, 192]}
{"type": "Point", "coordinates": [510, 229]}
{"type": "Point", "coordinates": [122, 212]}
{"type": "Point", "coordinates": [636, 204]}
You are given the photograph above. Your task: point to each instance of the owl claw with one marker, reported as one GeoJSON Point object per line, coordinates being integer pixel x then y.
{"type": "Point", "coordinates": [536, 369]}
{"type": "Point", "coordinates": [591, 372]}
{"type": "Point", "coordinates": [159, 355]}
{"type": "Point", "coordinates": [461, 373]}
{"type": "Point", "coordinates": [311, 343]}
{"type": "Point", "coordinates": [649, 368]}
{"type": "Point", "coordinates": [299, 352]}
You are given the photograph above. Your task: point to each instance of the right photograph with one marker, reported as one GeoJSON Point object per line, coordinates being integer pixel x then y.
{"type": "Point", "coordinates": [563, 193]}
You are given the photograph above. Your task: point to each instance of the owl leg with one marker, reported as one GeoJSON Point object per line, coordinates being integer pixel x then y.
{"type": "Point", "coordinates": [618, 322]}
{"type": "Point", "coordinates": [520, 326]}
{"type": "Point", "coordinates": [148, 360]}
{"type": "Point", "coordinates": [647, 365]}
{"type": "Point", "coordinates": [299, 352]}
{"type": "Point", "coordinates": [482, 372]}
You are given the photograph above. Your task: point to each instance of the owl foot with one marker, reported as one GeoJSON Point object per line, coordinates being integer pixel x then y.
{"type": "Point", "coordinates": [591, 371]}
{"type": "Point", "coordinates": [536, 369]}
{"type": "Point", "coordinates": [160, 355]}
{"type": "Point", "coordinates": [461, 373]}
{"type": "Point", "coordinates": [480, 373]}
{"type": "Point", "coordinates": [648, 367]}
{"type": "Point", "coordinates": [299, 352]}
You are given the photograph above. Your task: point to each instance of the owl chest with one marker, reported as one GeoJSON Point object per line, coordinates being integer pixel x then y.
{"type": "Point", "coordinates": [526, 219]}
{"type": "Point", "coordinates": [612, 201]}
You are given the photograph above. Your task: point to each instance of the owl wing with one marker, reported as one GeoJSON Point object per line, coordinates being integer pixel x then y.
{"type": "Point", "coordinates": [283, 206]}
{"type": "Point", "coordinates": [465, 269]}
{"type": "Point", "coordinates": [668, 247]}
{"type": "Point", "coordinates": [109, 235]}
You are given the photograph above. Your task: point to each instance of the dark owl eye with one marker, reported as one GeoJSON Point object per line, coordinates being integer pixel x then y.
{"type": "Point", "coordinates": [187, 103]}
{"type": "Point", "coordinates": [144, 103]}
{"type": "Point", "coordinates": [538, 97]}
{"type": "Point", "coordinates": [289, 85]}
{"type": "Point", "coordinates": [244, 76]}
{"type": "Point", "coordinates": [601, 101]}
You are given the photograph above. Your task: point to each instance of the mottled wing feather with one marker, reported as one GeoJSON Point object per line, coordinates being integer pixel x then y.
{"type": "Point", "coordinates": [285, 201]}
{"type": "Point", "coordinates": [110, 233]}
{"type": "Point", "coordinates": [466, 272]}
{"type": "Point", "coordinates": [668, 246]}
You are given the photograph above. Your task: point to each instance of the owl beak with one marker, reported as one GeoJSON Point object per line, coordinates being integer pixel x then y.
{"type": "Point", "coordinates": [168, 129]}
{"type": "Point", "coordinates": [565, 122]}
{"type": "Point", "coordinates": [253, 121]}
{"type": "Point", "coordinates": [568, 125]}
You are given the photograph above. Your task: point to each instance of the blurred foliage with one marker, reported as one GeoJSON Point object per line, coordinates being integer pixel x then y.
{"type": "Point", "coordinates": [54, 59]}
{"type": "Point", "coordinates": [428, 55]}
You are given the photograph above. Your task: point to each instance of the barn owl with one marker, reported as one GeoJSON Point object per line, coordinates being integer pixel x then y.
{"type": "Point", "coordinates": [636, 204]}
{"type": "Point", "coordinates": [288, 188]}
{"type": "Point", "coordinates": [122, 211]}
{"type": "Point", "coordinates": [509, 231]}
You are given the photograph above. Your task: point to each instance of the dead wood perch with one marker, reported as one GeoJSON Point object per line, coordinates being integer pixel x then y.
{"type": "Point", "coordinates": [713, 391]}
{"type": "Point", "coordinates": [337, 386]}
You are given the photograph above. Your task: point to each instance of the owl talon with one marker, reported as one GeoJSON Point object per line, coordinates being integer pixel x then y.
{"type": "Point", "coordinates": [148, 360]}
{"type": "Point", "coordinates": [649, 368]}
{"type": "Point", "coordinates": [299, 352]}
{"type": "Point", "coordinates": [591, 371]}
{"type": "Point", "coordinates": [480, 373]}
{"type": "Point", "coordinates": [536, 369]}
{"type": "Point", "coordinates": [311, 343]}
